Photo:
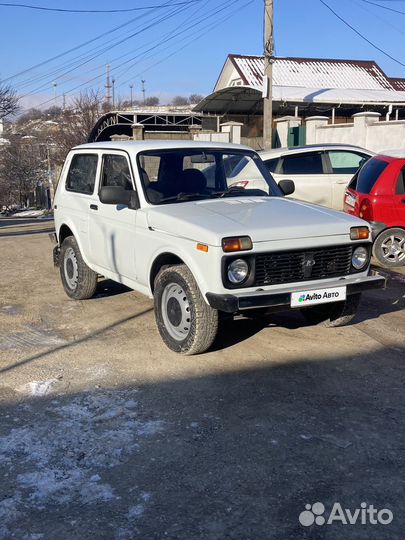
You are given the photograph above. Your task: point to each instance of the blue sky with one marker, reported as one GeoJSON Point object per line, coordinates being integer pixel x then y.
{"type": "Point", "coordinates": [197, 41]}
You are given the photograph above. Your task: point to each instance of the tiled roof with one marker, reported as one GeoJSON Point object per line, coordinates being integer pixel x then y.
{"type": "Point", "coordinates": [398, 84]}
{"type": "Point", "coordinates": [316, 73]}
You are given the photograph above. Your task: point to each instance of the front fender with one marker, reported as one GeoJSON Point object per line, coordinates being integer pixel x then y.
{"type": "Point", "coordinates": [201, 264]}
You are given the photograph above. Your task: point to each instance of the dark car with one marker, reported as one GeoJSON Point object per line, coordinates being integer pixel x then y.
{"type": "Point", "coordinates": [377, 194]}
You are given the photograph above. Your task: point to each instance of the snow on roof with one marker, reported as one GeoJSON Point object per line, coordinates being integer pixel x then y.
{"type": "Point", "coordinates": [314, 73]}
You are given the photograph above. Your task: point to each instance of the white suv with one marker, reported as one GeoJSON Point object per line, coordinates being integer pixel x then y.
{"type": "Point", "coordinates": [320, 173]}
{"type": "Point", "coordinates": [159, 217]}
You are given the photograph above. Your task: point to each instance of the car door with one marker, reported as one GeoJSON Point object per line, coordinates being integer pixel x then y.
{"type": "Point", "coordinates": [306, 169]}
{"type": "Point", "coordinates": [342, 165]}
{"type": "Point", "coordinates": [112, 226]}
{"type": "Point", "coordinates": [399, 199]}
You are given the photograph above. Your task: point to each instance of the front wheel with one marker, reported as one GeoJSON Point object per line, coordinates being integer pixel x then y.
{"type": "Point", "coordinates": [334, 314]}
{"type": "Point", "coordinates": [389, 247]}
{"type": "Point", "coordinates": [186, 323]}
{"type": "Point", "coordinates": [79, 281]}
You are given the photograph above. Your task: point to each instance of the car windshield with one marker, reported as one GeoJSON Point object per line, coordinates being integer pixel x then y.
{"type": "Point", "coordinates": [171, 176]}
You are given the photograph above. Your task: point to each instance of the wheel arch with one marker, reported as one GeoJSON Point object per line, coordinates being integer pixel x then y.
{"type": "Point", "coordinates": [64, 232]}
{"type": "Point", "coordinates": [164, 259]}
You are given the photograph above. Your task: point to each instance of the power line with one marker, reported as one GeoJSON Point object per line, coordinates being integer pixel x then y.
{"type": "Point", "coordinates": [42, 8]}
{"type": "Point", "coordinates": [87, 57]}
{"type": "Point", "coordinates": [81, 45]}
{"type": "Point", "coordinates": [361, 35]}
{"type": "Point", "coordinates": [384, 7]}
{"type": "Point", "coordinates": [212, 12]}
{"type": "Point", "coordinates": [210, 27]}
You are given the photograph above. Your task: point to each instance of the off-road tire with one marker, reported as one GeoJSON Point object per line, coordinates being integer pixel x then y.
{"type": "Point", "coordinates": [334, 314]}
{"type": "Point", "coordinates": [200, 329]}
{"type": "Point", "coordinates": [380, 253]}
{"type": "Point", "coordinates": [79, 281]}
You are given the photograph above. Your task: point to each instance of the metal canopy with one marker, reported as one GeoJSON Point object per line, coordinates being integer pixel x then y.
{"type": "Point", "coordinates": [120, 122]}
{"type": "Point", "coordinates": [248, 100]}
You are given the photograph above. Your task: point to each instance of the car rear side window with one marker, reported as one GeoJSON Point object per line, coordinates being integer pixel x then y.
{"type": "Point", "coordinates": [346, 162]}
{"type": "Point", "coordinates": [365, 179]}
{"type": "Point", "coordinates": [400, 187]}
{"type": "Point", "coordinates": [82, 173]}
{"type": "Point", "coordinates": [303, 164]}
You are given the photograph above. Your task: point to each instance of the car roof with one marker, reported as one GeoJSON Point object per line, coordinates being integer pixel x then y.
{"type": "Point", "coordinates": [277, 152]}
{"type": "Point", "coordinates": [395, 154]}
{"type": "Point", "coordinates": [141, 146]}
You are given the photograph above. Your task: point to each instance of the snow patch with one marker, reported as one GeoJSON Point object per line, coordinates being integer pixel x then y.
{"type": "Point", "coordinates": [59, 458]}
{"type": "Point", "coordinates": [38, 388]}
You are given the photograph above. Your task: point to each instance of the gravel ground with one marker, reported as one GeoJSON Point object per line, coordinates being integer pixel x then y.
{"type": "Point", "coordinates": [106, 434]}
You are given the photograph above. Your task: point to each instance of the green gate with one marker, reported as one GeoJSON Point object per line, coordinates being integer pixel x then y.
{"type": "Point", "coordinates": [296, 136]}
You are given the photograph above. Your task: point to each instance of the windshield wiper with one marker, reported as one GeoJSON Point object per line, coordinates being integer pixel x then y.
{"type": "Point", "coordinates": [183, 196]}
{"type": "Point", "coordinates": [233, 190]}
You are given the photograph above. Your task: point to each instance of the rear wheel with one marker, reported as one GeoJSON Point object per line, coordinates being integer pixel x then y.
{"type": "Point", "coordinates": [334, 314]}
{"type": "Point", "coordinates": [389, 247]}
{"type": "Point", "coordinates": [186, 323]}
{"type": "Point", "coordinates": [79, 281]}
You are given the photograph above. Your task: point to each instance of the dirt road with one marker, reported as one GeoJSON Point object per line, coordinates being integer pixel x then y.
{"type": "Point", "coordinates": [105, 434]}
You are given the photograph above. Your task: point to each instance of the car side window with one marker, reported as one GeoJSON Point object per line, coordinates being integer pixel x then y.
{"type": "Point", "coordinates": [400, 187]}
{"type": "Point", "coordinates": [271, 164]}
{"type": "Point", "coordinates": [81, 176]}
{"type": "Point", "coordinates": [302, 164]}
{"type": "Point", "coordinates": [346, 162]}
{"type": "Point", "coordinates": [115, 172]}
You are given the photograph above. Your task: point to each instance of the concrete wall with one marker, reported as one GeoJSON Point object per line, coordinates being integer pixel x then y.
{"type": "Point", "coordinates": [366, 130]}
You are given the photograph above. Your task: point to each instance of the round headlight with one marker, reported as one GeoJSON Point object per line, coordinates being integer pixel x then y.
{"type": "Point", "coordinates": [238, 271]}
{"type": "Point", "coordinates": [360, 257]}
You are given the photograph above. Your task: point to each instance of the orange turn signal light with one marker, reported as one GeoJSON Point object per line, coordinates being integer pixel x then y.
{"type": "Point", "coordinates": [202, 247]}
{"type": "Point", "coordinates": [236, 243]}
{"type": "Point", "coordinates": [359, 233]}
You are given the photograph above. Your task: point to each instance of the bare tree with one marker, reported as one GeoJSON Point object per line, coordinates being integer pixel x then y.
{"type": "Point", "coordinates": [76, 123]}
{"type": "Point", "coordinates": [179, 100]}
{"type": "Point", "coordinates": [195, 98]}
{"type": "Point", "coordinates": [8, 101]}
{"type": "Point", "coordinates": [23, 166]}
{"type": "Point", "coordinates": [152, 101]}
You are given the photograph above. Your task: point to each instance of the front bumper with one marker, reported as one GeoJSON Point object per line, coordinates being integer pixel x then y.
{"type": "Point", "coordinates": [281, 298]}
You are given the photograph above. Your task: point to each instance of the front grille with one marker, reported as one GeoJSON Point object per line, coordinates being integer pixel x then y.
{"type": "Point", "coordinates": [303, 265]}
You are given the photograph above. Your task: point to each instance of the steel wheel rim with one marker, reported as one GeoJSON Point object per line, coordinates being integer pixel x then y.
{"type": "Point", "coordinates": [176, 312]}
{"type": "Point", "coordinates": [71, 268]}
{"type": "Point", "coordinates": [393, 248]}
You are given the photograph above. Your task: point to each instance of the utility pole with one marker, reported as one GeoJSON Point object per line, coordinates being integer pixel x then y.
{"type": "Point", "coordinates": [268, 75]}
{"type": "Point", "coordinates": [107, 85]}
{"type": "Point", "coordinates": [143, 90]}
{"type": "Point", "coordinates": [113, 92]}
{"type": "Point", "coordinates": [131, 86]}
{"type": "Point", "coordinates": [55, 84]}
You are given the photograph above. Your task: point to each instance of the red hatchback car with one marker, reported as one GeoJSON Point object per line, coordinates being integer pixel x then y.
{"type": "Point", "coordinates": [376, 193]}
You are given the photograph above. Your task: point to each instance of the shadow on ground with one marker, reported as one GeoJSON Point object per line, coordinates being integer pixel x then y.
{"type": "Point", "coordinates": [231, 455]}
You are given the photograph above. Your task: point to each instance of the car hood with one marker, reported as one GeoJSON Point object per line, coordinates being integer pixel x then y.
{"type": "Point", "coordinates": [262, 218]}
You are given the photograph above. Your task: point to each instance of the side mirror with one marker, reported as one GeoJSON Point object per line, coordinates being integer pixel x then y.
{"type": "Point", "coordinates": [287, 186]}
{"type": "Point", "coordinates": [119, 195]}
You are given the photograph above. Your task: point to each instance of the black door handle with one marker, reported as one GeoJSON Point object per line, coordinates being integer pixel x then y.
{"type": "Point", "coordinates": [403, 201]}
{"type": "Point", "coordinates": [93, 207]}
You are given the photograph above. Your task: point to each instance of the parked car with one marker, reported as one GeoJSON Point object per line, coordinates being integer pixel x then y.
{"type": "Point", "coordinates": [144, 214]}
{"type": "Point", "coordinates": [320, 173]}
{"type": "Point", "coordinates": [377, 194]}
